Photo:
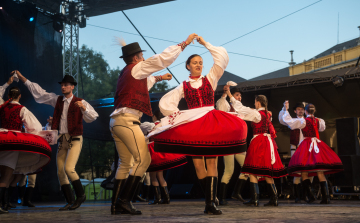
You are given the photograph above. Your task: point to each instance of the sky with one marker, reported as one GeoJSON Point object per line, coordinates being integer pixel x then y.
{"type": "Point", "coordinates": [308, 32]}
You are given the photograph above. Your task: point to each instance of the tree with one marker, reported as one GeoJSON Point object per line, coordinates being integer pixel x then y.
{"type": "Point", "coordinates": [160, 87]}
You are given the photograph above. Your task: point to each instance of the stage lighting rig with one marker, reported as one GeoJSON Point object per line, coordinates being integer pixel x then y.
{"type": "Point", "coordinates": [74, 13]}
{"type": "Point", "coordinates": [338, 81]}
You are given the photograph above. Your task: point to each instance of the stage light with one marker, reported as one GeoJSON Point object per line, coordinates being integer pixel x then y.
{"type": "Point", "coordinates": [31, 19]}
{"type": "Point", "coordinates": [338, 81]}
{"type": "Point", "coordinates": [0, 7]}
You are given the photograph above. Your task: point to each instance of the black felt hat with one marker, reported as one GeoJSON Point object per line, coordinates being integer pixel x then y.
{"type": "Point", "coordinates": [299, 105]}
{"type": "Point", "coordinates": [68, 79]}
{"type": "Point", "coordinates": [130, 49]}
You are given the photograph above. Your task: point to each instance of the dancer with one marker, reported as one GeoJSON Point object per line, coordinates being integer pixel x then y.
{"type": "Point", "coordinates": [159, 163]}
{"type": "Point", "coordinates": [248, 115]}
{"type": "Point", "coordinates": [68, 114]}
{"type": "Point", "coordinates": [296, 136]}
{"type": "Point", "coordinates": [26, 188]}
{"type": "Point", "coordinates": [20, 153]}
{"type": "Point", "coordinates": [201, 130]}
{"type": "Point", "coordinates": [313, 157]}
{"type": "Point", "coordinates": [262, 158]}
{"type": "Point", "coordinates": [131, 101]}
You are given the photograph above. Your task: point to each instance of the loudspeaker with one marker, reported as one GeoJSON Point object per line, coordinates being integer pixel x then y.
{"type": "Point", "coordinates": [347, 130]}
{"type": "Point", "coordinates": [351, 174]}
{"type": "Point", "coordinates": [181, 189]}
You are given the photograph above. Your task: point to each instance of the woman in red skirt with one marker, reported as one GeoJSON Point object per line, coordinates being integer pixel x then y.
{"type": "Point", "coordinates": [313, 157]}
{"type": "Point", "coordinates": [262, 158]}
{"type": "Point", "coordinates": [201, 131]}
{"type": "Point", "coordinates": [160, 162]}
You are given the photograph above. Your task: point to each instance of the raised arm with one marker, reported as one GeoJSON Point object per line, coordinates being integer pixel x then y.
{"type": "Point", "coordinates": [292, 123]}
{"type": "Point", "coordinates": [89, 113]}
{"type": "Point", "coordinates": [221, 60]}
{"type": "Point", "coordinates": [31, 124]}
{"type": "Point", "coordinates": [3, 89]}
{"type": "Point", "coordinates": [248, 113]}
{"type": "Point", "coordinates": [160, 61]}
{"type": "Point", "coordinates": [169, 102]}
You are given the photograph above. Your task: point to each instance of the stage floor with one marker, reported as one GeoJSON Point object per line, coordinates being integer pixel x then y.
{"type": "Point", "coordinates": [192, 211]}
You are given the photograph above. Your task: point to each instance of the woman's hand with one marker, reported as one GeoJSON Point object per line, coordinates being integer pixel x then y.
{"type": "Point", "coordinates": [201, 40]}
{"type": "Point", "coordinates": [166, 76]}
{"type": "Point", "coordinates": [11, 79]}
{"type": "Point", "coordinates": [191, 38]}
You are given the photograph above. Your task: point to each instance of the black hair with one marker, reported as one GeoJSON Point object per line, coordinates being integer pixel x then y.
{"type": "Point", "coordinates": [129, 59]}
{"type": "Point", "coordinates": [158, 115]}
{"type": "Point", "coordinates": [234, 90]}
{"type": "Point", "coordinates": [14, 93]}
{"type": "Point", "coordinates": [189, 60]}
{"type": "Point", "coordinates": [310, 108]}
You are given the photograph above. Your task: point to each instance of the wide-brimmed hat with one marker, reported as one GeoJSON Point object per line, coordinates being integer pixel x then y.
{"type": "Point", "coordinates": [130, 49]}
{"type": "Point", "coordinates": [299, 105]}
{"type": "Point", "coordinates": [68, 79]}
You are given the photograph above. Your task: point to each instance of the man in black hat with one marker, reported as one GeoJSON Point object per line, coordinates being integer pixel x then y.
{"type": "Point", "coordinates": [67, 119]}
{"type": "Point", "coordinates": [131, 101]}
{"type": "Point", "coordinates": [296, 137]}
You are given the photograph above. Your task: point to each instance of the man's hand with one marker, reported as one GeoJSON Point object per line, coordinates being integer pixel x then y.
{"type": "Point", "coordinates": [286, 105]}
{"type": "Point", "coordinates": [166, 76]}
{"type": "Point", "coordinates": [201, 40]}
{"type": "Point", "coordinates": [80, 105]}
{"type": "Point", "coordinates": [225, 89]}
{"type": "Point", "coordinates": [20, 76]}
{"type": "Point", "coordinates": [11, 79]}
{"type": "Point", "coordinates": [191, 38]}
{"type": "Point", "coordinates": [50, 120]}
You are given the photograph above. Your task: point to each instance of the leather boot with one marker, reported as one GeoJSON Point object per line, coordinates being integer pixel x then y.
{"type": "Point", "coordinates": [297, 192]}
{"type": "Point", "coordinates": [118, 184]}
{"type": "Point", "coordinates": [28, 196]}
{"type": "Point", "coordinates": [157, 195]}
{"type": "Point", "coordinates": [273, 195]}
{"type": "Point", "coordinates": [210, 196]}
{"type": "Point", "coordinates": [165, 195]}
{"type": "Point", "coordinates": [2, 195]}
{"type": "Point", "coordinates": [127, 194]}
{"type": "Point", "coordinates": [254, 190]}
{"type": "Point", "coordinates": [21, 192]}
{"type": "Point", "coordinates": [137, 196]}
{"type": "Point", "coordinates": [68, 194]}
{"type": "Point", "coordinates": [237, 190]}
{"type": "Point", "coordinates": [80, 194]}
{"type": "Point", "coordinates": [145, 194]}
{"type": "Point", "coordinates": [203, 187]}
{"type": "Point", "coordinates": [325, 193]}
{"type": "Point", "coordinates": [5, 201]}
{"type": "Point", "coordinates": [10, 192]}
{"type": "Point", "coordinates": [222, 194]}
{"type": "Point", "coordinates": [309, 194]}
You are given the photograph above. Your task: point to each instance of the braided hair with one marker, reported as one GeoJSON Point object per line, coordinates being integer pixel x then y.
{"type": "Point", "coordinates": [310, 109]}
{"type": "Point", "coordinates": [264, 103]}
{"type": "Point", "coordinates": [14, 93]}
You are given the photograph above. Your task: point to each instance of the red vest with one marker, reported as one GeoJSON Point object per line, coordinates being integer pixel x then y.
{"type": "Point", "coordinates": [295, 137]}
{"type": "Point", "coordinates": [132, 93]}
{"type": "Point", "coordinates": [232, 109]}
{"type": "Point", "coordinates": [10, 117]}
{"type": "Point", "coordinates": [312, 128]}
{"type": "Point", "coordinates": [201, 97]}
{"type": "Point", "coordinates": [74, 116]}
{"type": "Point", "coordinates": [264, 126]}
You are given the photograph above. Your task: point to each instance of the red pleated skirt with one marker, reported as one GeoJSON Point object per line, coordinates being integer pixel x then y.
{"type": "Point", "coordinates": [304, 161]}
{"type": "Point", "coordinates": [164, 161]}
{"type": "Point", "coordinates": [215, 134]}
{"type": "Point", "coordinates": [258, 159]}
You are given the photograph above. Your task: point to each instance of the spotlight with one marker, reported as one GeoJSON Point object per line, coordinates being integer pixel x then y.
{"type": "Point", "coordinates": [58, 24]}
{"type": "Point", "coordinates": [338, 81]}
{"type": "Point", "coordinates": [0, 7]}
{"type": "Point", "coordinates": [31, 19]}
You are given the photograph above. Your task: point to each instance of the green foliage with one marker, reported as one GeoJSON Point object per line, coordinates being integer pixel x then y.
{"type": "Point", "coordinates": [160, 87]}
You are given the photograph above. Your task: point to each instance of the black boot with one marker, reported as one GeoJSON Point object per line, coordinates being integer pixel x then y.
{"type": "Point", "coordinates": [5, 201]}
{"type": "Point", "coordinates": [137, 196]}
{"type": "Point", "coordinates": [222, 194]}
{"type": "Point", "coordinates": [157, 195]}
{"type": "Point", "coordinates": [254, 190]}
{"type": "Point", "coordinates": [66, 189]}
{"type": "Point", "coordinates": [127, 194]}
{"type": "Point", "coordinates": [145, 194]}
{"type": "Point", "coordinates": [2, 195]}
{"type": "Point", "coordinates": [237, 190]}
{"type": "Point", "coordinates": [118, 185]}
{"type": "Point", "coordinates": [165, 195]}
{"type": "Point", "coordinates": [28, 196]}
{"type": "Point", "coordinates": [21, 192]}
{"type": "Point", "coordinates": [297, 192]}
{"type": "Point", "coordinates": [203, 187]}
{"type": "Point", "coordinates": [80, 194]}
{"type": "Point", "coordinates": [309, 194]}
{"type": "Point", "coordinates": [273, 195]}
{"type": "Point", "coordinates": [210, 196]}
{"type": "Point", "coordinates": [10, 192]}
{"type": "Point", "coordinates": [325, 193]}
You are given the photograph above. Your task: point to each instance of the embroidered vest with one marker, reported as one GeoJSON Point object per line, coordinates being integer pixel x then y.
{"type": "Point", "coordinates": [132, 93]}
{"type": "Point", "coordinates": [312, 128]}
{"type": "Point", "coordinates": [10, 117]}
{"type": "Point", "coordinates": [264, 126]}
{"type": "Point", "coordinates": [201, 97]}
{"type": "Point", "coordinates": [74, 116]}
{"type": "Point", "coordinates": [295, 137]}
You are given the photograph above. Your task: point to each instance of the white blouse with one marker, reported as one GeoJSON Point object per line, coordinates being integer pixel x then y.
{"type": "Point", "coordinates": [144, 69]}
{"type": "Point", "coordinates": [43, 97]}
{"type": "Point", "coordinates": [247, 114]}
{"type": "Point", "coordinates": [30, 122]}
{"type": "Point", "coordinates": [170, 101]}
{"type": "Point", "coordinates": [298, 123]}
